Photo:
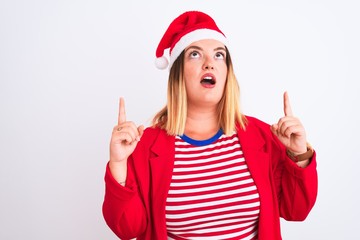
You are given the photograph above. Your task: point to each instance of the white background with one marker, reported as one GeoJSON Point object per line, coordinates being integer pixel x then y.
{"type": "Point", "coordinates": [64, 64]}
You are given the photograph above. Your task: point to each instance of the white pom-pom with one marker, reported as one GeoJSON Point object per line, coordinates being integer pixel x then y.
{"type": "Point", "coordinates": [161, 62]}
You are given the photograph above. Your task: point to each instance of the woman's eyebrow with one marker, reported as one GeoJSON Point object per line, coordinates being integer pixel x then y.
{"type": "Point", "coordinates": [194, 47]}
{"type": "Point", "coordinates": [199, 48]}
{"type": "Point", "coordinates": [220, 48]}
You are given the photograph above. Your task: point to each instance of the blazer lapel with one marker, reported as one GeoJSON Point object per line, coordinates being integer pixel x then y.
{"type": "Point", "coordinates": [258, 160]}
{"type": "Point", "coordinates": [253, 146]}
{"type": "Point", "coordinates": [161, 168]}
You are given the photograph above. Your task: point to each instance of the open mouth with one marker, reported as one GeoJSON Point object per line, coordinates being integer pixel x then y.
{"type": "Point", "coordinates": [208, 80]}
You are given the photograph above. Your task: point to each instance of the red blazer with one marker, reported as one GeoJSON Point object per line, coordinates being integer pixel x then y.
{"type": "Point", "coordinates": [138, 209]}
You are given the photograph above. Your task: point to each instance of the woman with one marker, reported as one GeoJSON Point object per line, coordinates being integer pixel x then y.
{"type": "Point", "coordinates": [204, 170]}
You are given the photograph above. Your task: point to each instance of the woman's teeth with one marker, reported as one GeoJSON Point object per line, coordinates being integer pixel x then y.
{"type": "Point", "coordinates": [208, 80]}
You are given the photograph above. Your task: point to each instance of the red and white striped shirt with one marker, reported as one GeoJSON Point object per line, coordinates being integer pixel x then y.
{"type": "Point", "coordinates": [212, 194]}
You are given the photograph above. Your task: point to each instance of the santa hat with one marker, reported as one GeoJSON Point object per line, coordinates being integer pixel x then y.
{"type": "Point", "coordinates": [187, 28]}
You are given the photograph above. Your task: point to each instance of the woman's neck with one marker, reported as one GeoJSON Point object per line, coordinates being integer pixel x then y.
{"type": "Point", "coordinates": [201, 123]}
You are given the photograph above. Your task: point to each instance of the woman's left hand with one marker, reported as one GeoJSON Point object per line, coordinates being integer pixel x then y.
{"type": "Point", "coordinates": [290, 131]}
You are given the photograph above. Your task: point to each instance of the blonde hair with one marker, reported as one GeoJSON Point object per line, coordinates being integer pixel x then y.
{"type": "Point", "coordinates": [172, 117]}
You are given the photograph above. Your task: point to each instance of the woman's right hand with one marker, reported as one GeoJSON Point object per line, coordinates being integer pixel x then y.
{"type": "Point", "coordinates": [124, 138]}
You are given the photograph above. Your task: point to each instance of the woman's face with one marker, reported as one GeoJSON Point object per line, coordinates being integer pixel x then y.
{"type": "Point", "coordinates": [205, 73]}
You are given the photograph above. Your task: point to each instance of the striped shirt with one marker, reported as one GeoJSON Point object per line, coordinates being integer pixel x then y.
{"type": "Point", "coordinates": [212, 194]}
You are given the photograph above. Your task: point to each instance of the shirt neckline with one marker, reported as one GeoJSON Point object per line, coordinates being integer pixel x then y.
{"type": "Point", "coordinates": [202, 142]}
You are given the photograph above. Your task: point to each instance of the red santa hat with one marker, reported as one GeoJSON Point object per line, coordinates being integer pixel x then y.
{"type": "Point", "coordinates": [187, 28]}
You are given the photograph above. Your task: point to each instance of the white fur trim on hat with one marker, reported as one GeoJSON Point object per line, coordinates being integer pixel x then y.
{"type": "Point", "coordinates": [194, 36]}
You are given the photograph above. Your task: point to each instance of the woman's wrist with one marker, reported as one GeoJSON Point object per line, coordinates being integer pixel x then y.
{"type": "Point", "coordinates": [303, 164]}
{"type": "Point", "coordinates": [118, 171]}
{"type": "Point", "coordinates": [303, 159]}
{"type": "Point", "coordinates": [300, 157]}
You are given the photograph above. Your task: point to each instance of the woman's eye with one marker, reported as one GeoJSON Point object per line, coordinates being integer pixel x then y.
{"type": "Point", "coordinates": [194, 54]}
{"type": "Point", "coordinates": [219, 55]}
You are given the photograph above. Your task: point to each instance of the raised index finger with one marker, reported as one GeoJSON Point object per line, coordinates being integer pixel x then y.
{"type": "Point", "coordinates": [287, 106]}
{"type": "Point", "coordinates": [122, 115]}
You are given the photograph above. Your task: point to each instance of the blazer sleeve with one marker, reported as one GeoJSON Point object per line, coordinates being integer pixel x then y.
{"type": "Point", "coordinates": [123, 209]}
{"type": "Point", "coordinates": [296, 187]}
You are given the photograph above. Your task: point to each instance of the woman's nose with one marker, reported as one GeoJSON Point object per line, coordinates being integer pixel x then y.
{"type": "Point", "coordinates": [208, 64]}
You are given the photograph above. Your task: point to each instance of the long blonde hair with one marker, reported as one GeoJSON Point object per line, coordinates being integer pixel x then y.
{"type": "Point", "coordinates": [172, 117]}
